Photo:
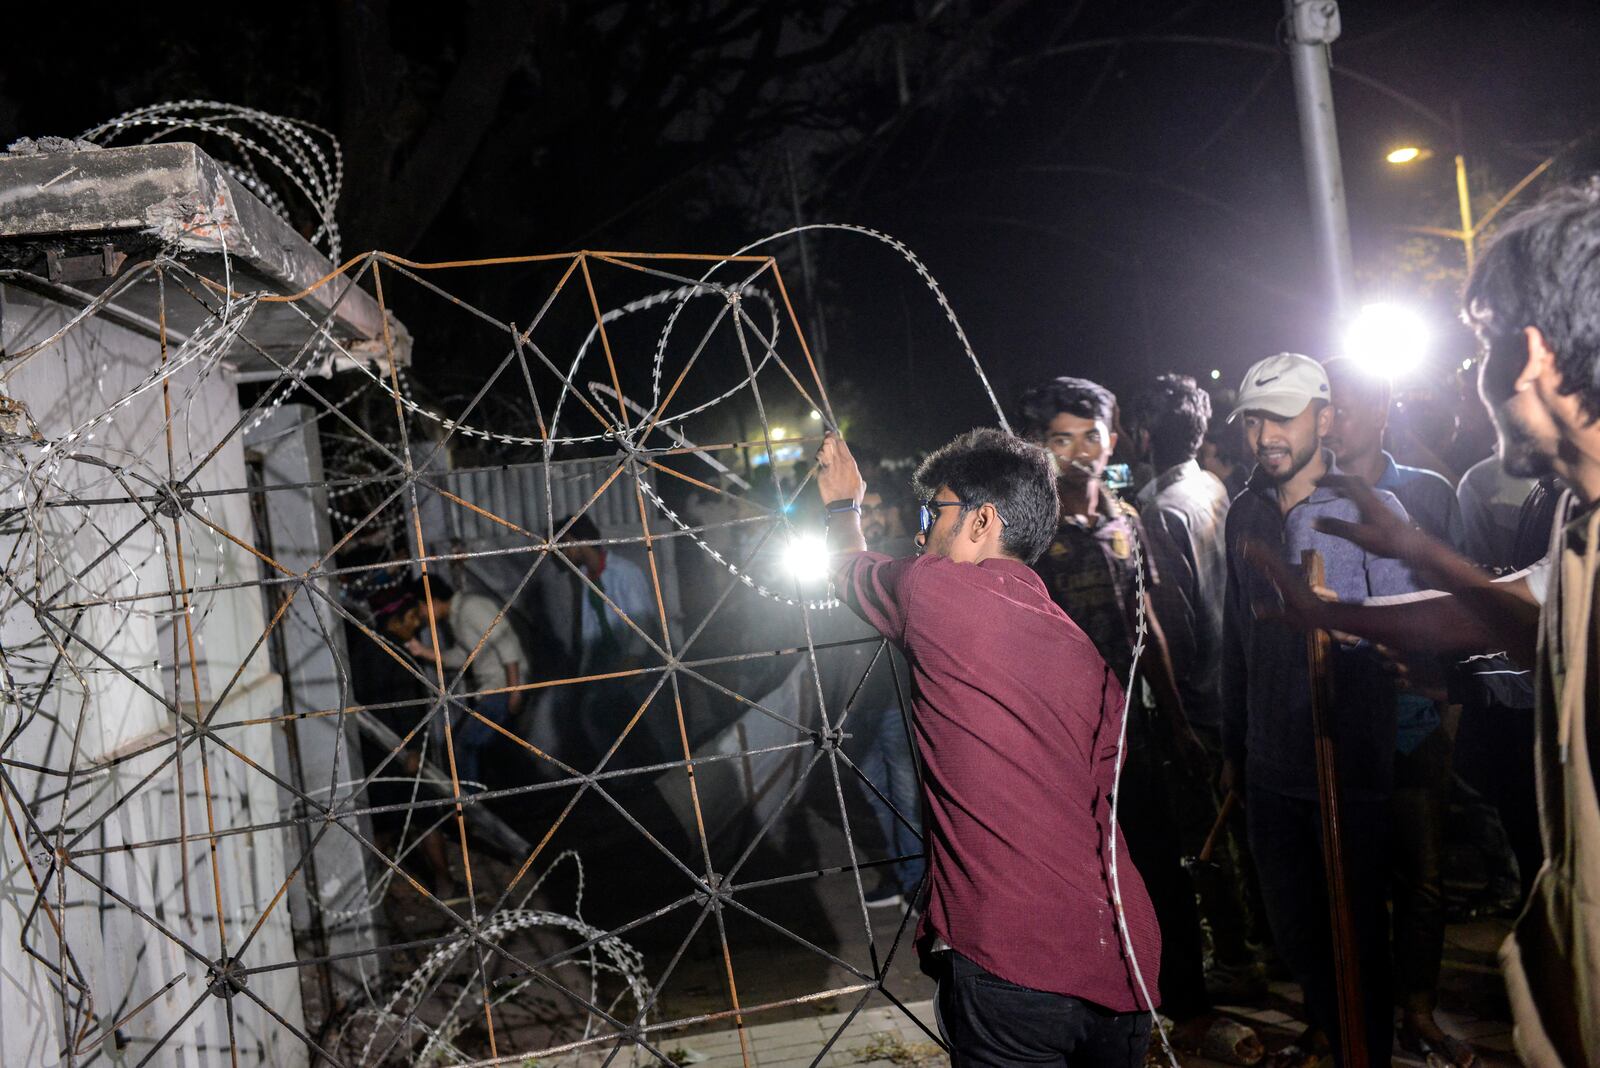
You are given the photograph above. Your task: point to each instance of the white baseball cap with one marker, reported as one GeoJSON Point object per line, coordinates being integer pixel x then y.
{"type": "Point", "coordinates": [1281, 385]}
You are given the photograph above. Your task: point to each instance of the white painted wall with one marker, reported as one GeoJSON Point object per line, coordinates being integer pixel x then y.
{"type": "Point", "coordinates": [104, 730]}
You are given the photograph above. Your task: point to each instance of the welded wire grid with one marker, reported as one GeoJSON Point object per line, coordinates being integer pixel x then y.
{"type": "Point", "coordinates": [137, 741]}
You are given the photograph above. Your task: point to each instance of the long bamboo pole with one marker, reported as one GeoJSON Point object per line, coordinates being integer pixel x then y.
{"type": "Point", "coordinates": [1346, 959]}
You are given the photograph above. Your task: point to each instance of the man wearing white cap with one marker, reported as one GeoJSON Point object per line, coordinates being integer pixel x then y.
{"type": "Point", "coordinates": [1266, 719]}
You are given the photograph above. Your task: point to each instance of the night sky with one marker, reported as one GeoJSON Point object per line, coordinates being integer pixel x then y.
{"type": "Point", "coordinates": [1103, 189]}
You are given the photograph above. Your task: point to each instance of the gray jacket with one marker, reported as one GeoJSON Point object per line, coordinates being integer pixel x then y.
{"type": "Point", "coordinates": [1183, 510]}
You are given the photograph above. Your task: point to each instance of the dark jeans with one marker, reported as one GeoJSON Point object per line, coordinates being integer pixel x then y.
{"type": "Point", "coordinates": [1145, 813]}
{"type": "Point", "coordinates": [987, 1021]}
{"type": "Point", "coordinates": [473, 735]}
{"type": "Point", "coordinates": [1230, 897]}
{"type": "Point", "coordinates": [1421, 801]}
{"type": "Point", "coordinates": [889, 764]}
{"type": "Point", "coordinates": [1286, 839]}
{"type": "Point", "coordinates": [1494, 754]}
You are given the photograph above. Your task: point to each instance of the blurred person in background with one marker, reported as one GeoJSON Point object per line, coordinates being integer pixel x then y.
{"type": "Point", "coordinates": [1183, 510]}
{"type": "Point", "coordinates": [607, 638]}
{"type": "Point", "coordinates": [476, 638]}
{"type": "Point", "coordinates": [880, 728]}
{"type": "Point", "coordinates": [1422, 427]}
{"type": "Point", "coordinates": [1490, 501]}
{"type": "Point", "coordinates": [1426, 721]}
{"type": "Point", "coordinates": [1220, 454]}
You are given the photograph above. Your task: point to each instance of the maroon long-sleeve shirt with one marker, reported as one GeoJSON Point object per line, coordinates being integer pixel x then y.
{"type": "Point", "coordinates": [1017, 718]}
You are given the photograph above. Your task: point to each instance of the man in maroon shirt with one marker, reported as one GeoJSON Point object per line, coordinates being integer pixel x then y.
{"type": "Point", "coordinates": [1018, 720]}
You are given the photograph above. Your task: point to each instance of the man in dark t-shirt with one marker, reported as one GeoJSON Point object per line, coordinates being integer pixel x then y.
{"type": "Point", "coordinates": [1092, 570]}
{"type": "Point", "coordinates": [1091, 567]}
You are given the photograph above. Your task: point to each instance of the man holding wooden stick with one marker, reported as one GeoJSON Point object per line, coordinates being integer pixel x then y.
{"type": "Point", "coordinates": [1534, 300]}
{"type": "Point", "coordinates": [1268, 740]}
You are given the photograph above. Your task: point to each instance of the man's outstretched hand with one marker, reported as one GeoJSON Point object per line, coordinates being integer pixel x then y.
{"type": "Point", "coordinates": [838, 477]}
{"type": "Point", "coordinates": [1302, 608]}
{"type": "Point", "coordinates": [1381, 532]}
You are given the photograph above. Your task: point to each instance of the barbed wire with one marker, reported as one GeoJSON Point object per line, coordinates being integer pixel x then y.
{"type": "Point", "coordinates": [302, 153]}
{"type": "Point", "coordinates": [107, 463]}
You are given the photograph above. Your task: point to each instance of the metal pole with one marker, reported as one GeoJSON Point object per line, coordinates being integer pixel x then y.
{"type": "Point", "coordinates": [1466, 208]}
{"type": "Point", "coordinates": [1313, 26]}
{"type": "Point", "coordinates": [1462, 195]}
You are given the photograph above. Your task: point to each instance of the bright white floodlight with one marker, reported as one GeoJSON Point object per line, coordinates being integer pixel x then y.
{"type": "Point", "coordinates": [1387, 339]}
{"type": "Point", "coordinates": [806, 557]}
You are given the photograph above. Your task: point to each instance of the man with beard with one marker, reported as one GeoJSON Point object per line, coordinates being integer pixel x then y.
{"type": "Point", "coordinates": [1534, 301]}
{"type": "Point", "coordinates": [1284, 408]}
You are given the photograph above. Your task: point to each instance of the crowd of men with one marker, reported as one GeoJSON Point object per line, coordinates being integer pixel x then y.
{"type": "Point", "coordinates": [1188, 587]}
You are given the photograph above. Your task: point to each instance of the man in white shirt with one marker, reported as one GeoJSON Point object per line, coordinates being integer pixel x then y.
{"type": "Point", "coordinates": [477, 640]}
{"type": "Point", "coordinates": [1491, 504]}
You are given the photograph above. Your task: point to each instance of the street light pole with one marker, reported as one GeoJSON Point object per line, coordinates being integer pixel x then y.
{"type": "Point", "coordinates": [1313, 26]}
{"type": "Point", "coordinates": [1467, 233]}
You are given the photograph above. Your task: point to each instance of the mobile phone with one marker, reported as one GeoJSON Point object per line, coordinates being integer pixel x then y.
{"type": "Point", "coordinates": [1118, 476]}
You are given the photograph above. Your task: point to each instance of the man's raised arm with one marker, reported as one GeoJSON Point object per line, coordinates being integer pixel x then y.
{"type": "Point", "coordinates": [842, 488]}
{"type": "Point", "coordinates": [873, 586]}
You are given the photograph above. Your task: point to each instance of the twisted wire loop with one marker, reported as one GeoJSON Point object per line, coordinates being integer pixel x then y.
{"type": "Point", "coordinates": [157, 622]}
{"type": "Point", "coordinates": [303, 154]}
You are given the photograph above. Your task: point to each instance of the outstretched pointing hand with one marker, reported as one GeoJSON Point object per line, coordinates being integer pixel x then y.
{"type": "Point", "coordinates": [1301, 608]}
{"type": "Point", "coordinates": [1381, 532]}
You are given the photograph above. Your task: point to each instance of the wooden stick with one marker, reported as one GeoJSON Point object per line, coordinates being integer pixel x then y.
{"type": "Point", "coordinates": [1346, 959]}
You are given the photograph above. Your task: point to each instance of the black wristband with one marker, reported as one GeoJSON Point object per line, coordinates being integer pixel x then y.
{"type": "Point", "coordinates": [843, 504]}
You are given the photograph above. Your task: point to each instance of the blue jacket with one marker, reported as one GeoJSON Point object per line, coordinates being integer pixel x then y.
{"type": "Point", "coordinates": [1428, 499]}
{"type": "Point", "coordinates": [1266, 689]}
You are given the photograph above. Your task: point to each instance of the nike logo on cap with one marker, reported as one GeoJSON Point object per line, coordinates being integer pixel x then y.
{"type": "Point", "coordinates": [1264, 381]}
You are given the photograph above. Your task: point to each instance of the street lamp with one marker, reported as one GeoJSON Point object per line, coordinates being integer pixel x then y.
{"type": "Point", "coordinates": [1470, 230]}
{"type": "Point", "coordinates": [1411, 153]}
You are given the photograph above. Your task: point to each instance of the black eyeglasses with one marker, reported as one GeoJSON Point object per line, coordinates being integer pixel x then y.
{"type": "Point", "coordinates": [928, 513]}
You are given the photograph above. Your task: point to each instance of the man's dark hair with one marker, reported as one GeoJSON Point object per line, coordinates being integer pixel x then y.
{"type": "Point", "coordinates": [1075, 396]}
{"type": "Point", "coordinates": [582, 529]}
{"type": "Point", "coordinates": [1175, 412]}
{"type": "Point", "coordinates": [394, 598]}
{"type": "Point", "coordinates": [988, 466]}
{"type": "Point", "coordinates": [402, 595]}
{"type": "Point", "coordinates": [1543, 270]}
{"type": "Point", "coordinates": [1376, 387]}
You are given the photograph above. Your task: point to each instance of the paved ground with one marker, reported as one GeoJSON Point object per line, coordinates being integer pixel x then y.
{"type": "Point", "coordinates": [1471, 1000]}
{"type": "Point", "coordinates": [779, 976]}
